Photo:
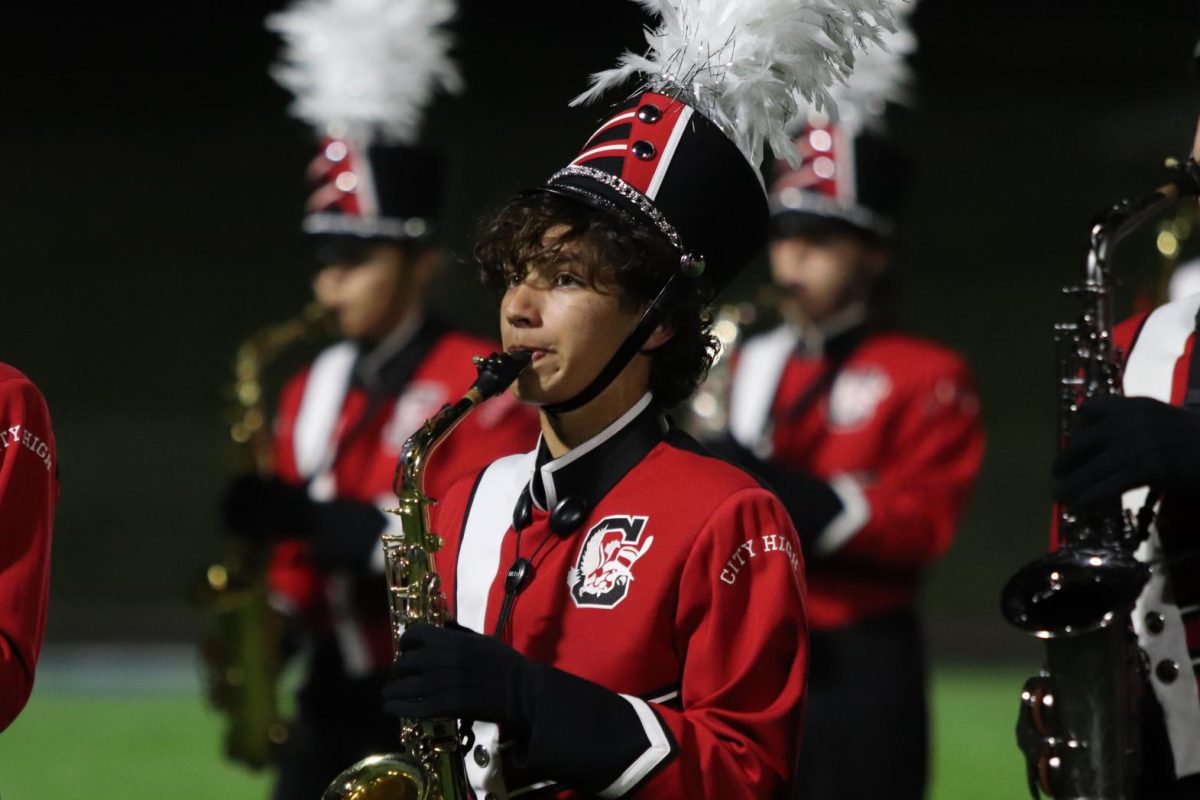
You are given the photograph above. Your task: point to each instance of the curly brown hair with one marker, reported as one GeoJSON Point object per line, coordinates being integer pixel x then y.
{"type": "Point", "coordinates": [617, 252]}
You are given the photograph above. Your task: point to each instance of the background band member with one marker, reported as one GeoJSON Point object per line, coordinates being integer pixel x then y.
{"type": "Point", "coordinates": [372, 220]}
{"type": "Point", "coordinates": [1120, 445]}
{"type": "Point", "coordinates": [651, 638]}
{"type": "Point", "coordinates": [870, 436]}
{"type": "Point", "coordinates": [28, 492]}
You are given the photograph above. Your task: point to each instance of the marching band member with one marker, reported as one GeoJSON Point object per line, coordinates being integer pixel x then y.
{"type": "Point", "coordinates": [646, 598]}
{"type": "Point", "coordinates": [28, 493]}
{"type": "Point", "coordinates": [1150, 437]}
{"type": "Point", "coordinates": [870, 436]}
{"type": "Point", "coordinates": [372, 220]}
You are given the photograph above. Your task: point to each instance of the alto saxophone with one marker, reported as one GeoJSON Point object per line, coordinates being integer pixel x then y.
{"type": "Point", "coordinates": [1078, 723]}
{"type": "Point", "coordinates": [428, 765]}
{"type": "Point", "coordinates": [242, 636]}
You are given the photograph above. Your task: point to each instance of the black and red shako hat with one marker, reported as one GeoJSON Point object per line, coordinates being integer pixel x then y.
{"type": "Point", "coordinates": [851, 176]}
{"type": "Point", "coordinates": [662, 163]}
{"type": "Point", "coordinates": [682, 156]}
{"type": "Point", "coordinates": [391, 192]}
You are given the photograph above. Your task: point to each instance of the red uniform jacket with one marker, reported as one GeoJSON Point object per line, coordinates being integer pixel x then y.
{"type": "Point", "coordinates": [345, 438]}
{"type": "Point", "coordinates": [896, 435]}
{"type": "Point", "coordinates": [682, 590]}
{"type": "Point", "coordinates": [28, 492]}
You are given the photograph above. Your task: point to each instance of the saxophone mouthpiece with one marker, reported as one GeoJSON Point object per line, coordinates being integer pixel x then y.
{"type": "Point", "coordinates": [498, 371]}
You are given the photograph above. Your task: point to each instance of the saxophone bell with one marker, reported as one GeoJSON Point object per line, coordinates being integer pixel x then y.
{"type": "Point", "coordinates": [1074, 591]}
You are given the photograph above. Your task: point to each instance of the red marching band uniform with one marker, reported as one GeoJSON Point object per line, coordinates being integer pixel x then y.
{"type": "Point", "coordinates": [696, 618]}
{"type": "Point", "coordinates": [331, 434]}
{"type": "Point", "coordinates": [897, 436]}
{"type": "Point", "coordinates": [28, 493]}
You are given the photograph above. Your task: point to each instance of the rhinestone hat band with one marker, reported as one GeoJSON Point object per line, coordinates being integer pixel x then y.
{"type": "Point", "coordinates": [629, 193]}
{"type": "Point", "coordinates": [347, 225]}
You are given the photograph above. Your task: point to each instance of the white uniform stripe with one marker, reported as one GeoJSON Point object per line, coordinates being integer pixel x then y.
{"type": "Point", "coordinates": [320, 407]}
{"type": "Point", "coordinates": [1150, 372]}
{"type": "Point", "coordinates": [659, 749]}
{"type": "Point", "coordinates": [854, 516]}
{"type": "Point", "coordinates": [668, 153]}
{"type": "Point", "coordinates": [488, 520]}
{"type": "Point", "coordinates": [760, 366]}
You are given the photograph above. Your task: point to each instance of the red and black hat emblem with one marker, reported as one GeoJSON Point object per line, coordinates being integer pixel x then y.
{"type": "Point", "coordinates": [847, 175]}
{"type": "Point", "coordinates": [376, 192]}
{"type": "Point", "coordinates": [661, 162]}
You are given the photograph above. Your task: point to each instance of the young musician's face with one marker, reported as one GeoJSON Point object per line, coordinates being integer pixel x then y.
{"type": "Point", "coordinates": [824, 275]}
{"type": "Point", "coordinates": [369, 291]}
{"type": "Point", "coordinates": [572, 325]}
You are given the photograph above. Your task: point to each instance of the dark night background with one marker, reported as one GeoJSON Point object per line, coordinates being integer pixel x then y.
{"type": "Point", "coordinates": [152, 184]}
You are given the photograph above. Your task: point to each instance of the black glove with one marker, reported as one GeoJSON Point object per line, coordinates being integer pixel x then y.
{"type": "Point", "coordinates": [341, 533]}
{"type": "Point", "coordinates": [1121, 443]}
{"type": "Point", "coordinates": [810, 502]}
{"type": "Point", "coordinates": [565, 728]}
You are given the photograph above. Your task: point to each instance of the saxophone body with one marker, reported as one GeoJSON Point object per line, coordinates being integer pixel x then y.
{"type": "Point", "coordinates": [242, 631]}
{"type": "Point", "coordinates": [428, 763]}
{"type": "Point", "coordinates": [1079, 723]}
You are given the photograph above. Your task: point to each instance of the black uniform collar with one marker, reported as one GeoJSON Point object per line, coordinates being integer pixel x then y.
{"type": "Point", "coordinates": [579, 480]}
{"type": "Point", "coordinates": [390, 364]}
{"type": "Point", "coordinates": [834, 335]}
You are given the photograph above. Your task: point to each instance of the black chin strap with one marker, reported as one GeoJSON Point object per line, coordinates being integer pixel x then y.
{"type": "Point", "coordinates": [652, 317]}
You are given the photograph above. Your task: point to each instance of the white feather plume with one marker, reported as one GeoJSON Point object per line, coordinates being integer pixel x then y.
{"type": "Point", "coordinates": [748, 65]}
{"type": "Point", "coordinates": [365, 68]}
{"type": "Point", "coordinates": [881, 76]}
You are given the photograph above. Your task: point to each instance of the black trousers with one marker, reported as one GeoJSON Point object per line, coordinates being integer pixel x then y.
{"type": "Point", "coordinates": [866, 729]}
{"type": "Point", "coordinates": [339, 721]}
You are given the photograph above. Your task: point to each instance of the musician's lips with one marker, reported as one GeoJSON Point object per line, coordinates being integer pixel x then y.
{"type": "Point", "coordinates": [537, 352]}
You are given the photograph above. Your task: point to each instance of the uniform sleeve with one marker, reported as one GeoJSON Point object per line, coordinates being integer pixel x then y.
{"type": "Point", "coordinates": [28, 492]}
{"type": "Point", "coordinates": [741, 622]}
{"type": "Point", "coordinates": [904, 516]}
{"type": "Point", "coordinates": [291, 577]}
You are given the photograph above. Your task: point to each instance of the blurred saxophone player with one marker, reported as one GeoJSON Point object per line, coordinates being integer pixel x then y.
{"type": "Point", "coordinates": [1150, 437]}
{"type": "Point", "coordinates": [28, 493]}
{"type": "Point", "coordinates": [872, 439]}
{"type": "Point", "coordinates": [372, 221]}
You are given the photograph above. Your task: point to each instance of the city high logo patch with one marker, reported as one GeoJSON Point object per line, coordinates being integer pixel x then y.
{"type": "Point", "coordinates": [855, 395]}
{"type": "Point", "coordinates": [603, 570]}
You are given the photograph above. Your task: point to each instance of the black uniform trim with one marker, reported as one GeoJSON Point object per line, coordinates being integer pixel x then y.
{"type": "Point", "coordinates": [671, 756]}
{"type": "Point", "coordinates": [397, 371]}
{"type": "Point", "coordinates": [593, 475]}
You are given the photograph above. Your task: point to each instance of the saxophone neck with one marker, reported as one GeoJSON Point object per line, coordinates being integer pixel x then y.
{"type": "Point", "coordinates": [494, 374]}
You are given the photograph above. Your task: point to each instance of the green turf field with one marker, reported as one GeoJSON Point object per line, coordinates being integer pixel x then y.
{"type": "Point", "coordinates": [71, 745]}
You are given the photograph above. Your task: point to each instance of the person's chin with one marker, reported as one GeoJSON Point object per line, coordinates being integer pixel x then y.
{"type": "Point", "coordinates": [530, 388]}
